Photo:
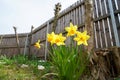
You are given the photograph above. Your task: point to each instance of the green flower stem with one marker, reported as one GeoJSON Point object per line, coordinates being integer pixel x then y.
{"type": "Point", "coordinates": [71, 42]}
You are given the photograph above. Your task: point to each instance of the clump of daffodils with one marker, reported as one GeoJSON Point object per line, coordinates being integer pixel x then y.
{"type": "Point", "coordinates": [69, 61]}
{"type": "Point", "coordinates": [59, 39]}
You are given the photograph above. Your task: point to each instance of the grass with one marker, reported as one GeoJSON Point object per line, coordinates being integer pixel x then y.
{"type": "Point", "coordinates": [13, 72]}
{"type": "Point", "coordinates": [10, 68]}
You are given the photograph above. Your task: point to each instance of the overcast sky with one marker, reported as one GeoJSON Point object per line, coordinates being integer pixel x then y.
{"type": "Point", "coordinates": [24, 13]}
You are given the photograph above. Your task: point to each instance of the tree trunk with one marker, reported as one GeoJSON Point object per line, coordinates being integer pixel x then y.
{"type": "Point", "coordinates": [89, 23]}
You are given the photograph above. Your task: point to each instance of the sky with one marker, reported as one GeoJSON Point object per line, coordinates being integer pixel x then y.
{"type": "Point", "coordinates": [25, 13]}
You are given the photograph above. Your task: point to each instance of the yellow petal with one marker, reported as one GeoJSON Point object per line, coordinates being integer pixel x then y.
{"type": "Point", "coordinates": [79, 43]}
{"type": "Point", "coordinates": [76, 39]}
{"type": "Point", "coordinates": [75, 27]}
{"type": "Point", "coordinates": [60, 43]}
{"type": "Point", "coordinates": [71, 25]}
{"type": "Point", "coordinates": [38, 41]}
{"type": "Point", "coordinates": [85, 32]}
{"type": "Point", "coordinates": [67, 28]}
{"type": "Point", "coordinates": [85, 43]}
{"type": "Point", "coordinates": [87, 37]}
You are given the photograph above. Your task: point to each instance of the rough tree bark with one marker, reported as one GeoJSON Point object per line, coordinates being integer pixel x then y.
{"type": "Point", "coordinates": [89, 24]}
{"type": "Point", "coordinates": [56, 13]}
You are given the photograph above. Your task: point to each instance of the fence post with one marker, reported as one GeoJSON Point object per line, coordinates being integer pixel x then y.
{"type": "Point", "coordinates": [89, 23]}
{"type": "Point", "coordinates": [46, 43]}
{"type": "Point", "coordinates": [114, 23]}
{"type": "Point", "coordinates": [26, 43]}
{"type": "Point", "coordinates": [30, 40]}
{"type": "Point", "coordinates": [17, 40]}
{"type": "Point", "coordinates": [1, 37]}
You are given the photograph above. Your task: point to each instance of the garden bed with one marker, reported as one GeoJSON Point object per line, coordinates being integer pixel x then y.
{"type": "Point", "coordinates": [20, 68]}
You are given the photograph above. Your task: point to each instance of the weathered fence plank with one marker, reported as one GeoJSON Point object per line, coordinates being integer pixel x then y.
{"type": "Point", "coordinates": [17, 39]}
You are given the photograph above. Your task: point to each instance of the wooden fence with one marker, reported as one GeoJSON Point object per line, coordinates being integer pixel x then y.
{"type": "Point", "coordinates": [106, 28]}
{"type": "Point", "coordinates": [8, 44]}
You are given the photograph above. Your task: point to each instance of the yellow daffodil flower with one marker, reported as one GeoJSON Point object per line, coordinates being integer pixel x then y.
{"type": "Point", "coordinates": [71, 30]}
{"type": "Point", "coordinates": [56, 39]}
{"type": "Point", "coordinates": [37, 44]}
{"type": "Point", "coordinates": [60, 40]}
{"type": "Point", "coordinates": [82, 38]}
{"type": "Point", "coordinates": [51, 37]}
